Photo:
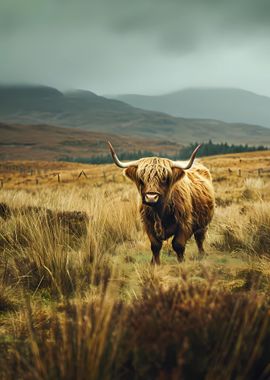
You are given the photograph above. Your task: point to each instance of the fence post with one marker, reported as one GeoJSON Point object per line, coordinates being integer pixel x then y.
{"type": "Point", "coordinates": [2, 184]}
{"type": "Point", "coordinates": [36, 181]}
{"type": "Point", "coordinates": [239, 172]}
{"type": "Point", "coordinates": [58, 177]}
{"type": "Point", "coordinates": [82, 173]}
{"type": "Point", "coordinates": [259, 172]}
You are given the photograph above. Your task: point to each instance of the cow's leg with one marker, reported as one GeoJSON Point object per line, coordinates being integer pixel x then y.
{"type": "Point", "coordinates": [200, 237]}
{"type": "Point", "coordinates": [156, 246]}
{"type": "Point", "coordinates": [179, 245]}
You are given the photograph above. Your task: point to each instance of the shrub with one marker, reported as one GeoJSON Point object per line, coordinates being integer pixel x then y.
{"type": "Point", "coordinates": [185, 332]}
{"type": "Point", "coordinates": [195, 333]}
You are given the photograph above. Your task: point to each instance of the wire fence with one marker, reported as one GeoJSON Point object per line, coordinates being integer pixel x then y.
{"type": "Point", "coordinates": [38, 175]}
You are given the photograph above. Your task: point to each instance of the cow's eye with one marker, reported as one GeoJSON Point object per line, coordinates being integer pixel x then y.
{"type": "Point", "coordinates": [141, 182]}
{"type": "Point", "coordinates": [165, 180]}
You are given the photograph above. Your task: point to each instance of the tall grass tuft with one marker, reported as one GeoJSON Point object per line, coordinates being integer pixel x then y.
{"type": "Point", "coordinates": [252, 235]}
{"type": "Point", "coordinates": [183, 332]}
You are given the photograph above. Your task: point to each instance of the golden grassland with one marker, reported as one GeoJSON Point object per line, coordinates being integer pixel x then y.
{"type": "Point", "coordinates": [85, 303]}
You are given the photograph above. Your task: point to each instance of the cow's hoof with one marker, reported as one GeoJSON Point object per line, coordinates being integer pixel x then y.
{"type": "Point", "coordinates": [180, 259]}
{"type": "Point", "coordinates": [202, 255]}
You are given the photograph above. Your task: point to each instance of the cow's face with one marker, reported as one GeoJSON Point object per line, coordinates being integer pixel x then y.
{"type": "Point", "coordinates": [154, 178]}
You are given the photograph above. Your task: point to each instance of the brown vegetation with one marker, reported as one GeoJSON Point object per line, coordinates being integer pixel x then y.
{"type": "Point", "coordinates": [47, 142]}
{"type": "Point", "coordinates": [88, 305]}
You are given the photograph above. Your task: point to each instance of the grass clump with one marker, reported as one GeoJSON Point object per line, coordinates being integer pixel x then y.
{"type": "Point", "coordinates": [186, 332]}
{"type": "Point", "coordinates": [8, 298]}
{"type": "Point", "coordinates": [192, 332]}
{"type": "Point", "coordinates": [251, 235]}
{"type": "Point", "coordinates": [253, 188]}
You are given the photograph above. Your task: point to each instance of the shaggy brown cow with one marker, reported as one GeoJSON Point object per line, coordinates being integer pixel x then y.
{"type": "Point", "coordinates": [176, 201]}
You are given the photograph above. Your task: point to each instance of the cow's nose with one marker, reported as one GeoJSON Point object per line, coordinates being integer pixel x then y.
{"type": "Point", "coordinates": [151, 198]}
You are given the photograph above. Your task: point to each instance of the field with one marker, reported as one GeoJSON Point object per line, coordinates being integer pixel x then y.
{"type": "Point", "coordinates": [80, 300]}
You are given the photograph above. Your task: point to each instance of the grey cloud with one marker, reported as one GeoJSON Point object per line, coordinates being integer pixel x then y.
{"type": "Point", "coordinates": [135, 46]}
{"type": "Point", "coordinates": [172, 24]}
{"type": "Point", "coordinates": [186, 24]}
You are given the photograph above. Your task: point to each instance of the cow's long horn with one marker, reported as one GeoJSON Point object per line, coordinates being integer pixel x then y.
{"type": "Point", "coordinates": [118, 162]}
{"type": "Point", "coordinates": [177, 164]}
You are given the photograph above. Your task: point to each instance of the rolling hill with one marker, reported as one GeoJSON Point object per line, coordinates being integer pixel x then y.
{"type": "Point", "coordinates": [49, 143]}
{"type": "Point", "coordinates": [35, 105]}
{"type": "Point", "coordinates": [226, 104]}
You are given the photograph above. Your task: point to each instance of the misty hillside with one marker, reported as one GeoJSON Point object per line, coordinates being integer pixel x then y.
{"type": "Point", "coordinates": [230, 105]}
{"type": "Point", "coordinates": [86, 110]}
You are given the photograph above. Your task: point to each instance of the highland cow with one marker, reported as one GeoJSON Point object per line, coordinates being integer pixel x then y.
{"type": "Point", "coordinates": [177, 201]}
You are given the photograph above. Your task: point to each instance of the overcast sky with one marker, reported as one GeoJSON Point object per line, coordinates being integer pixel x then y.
{"type": "Point", "coordinates": [136, 46]}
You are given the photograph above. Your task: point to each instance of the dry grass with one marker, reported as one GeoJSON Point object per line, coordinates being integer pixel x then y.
{"type": "Point", "coordinates": [88, 304]}
{"type": "Point", "coordinates": [244, 228]}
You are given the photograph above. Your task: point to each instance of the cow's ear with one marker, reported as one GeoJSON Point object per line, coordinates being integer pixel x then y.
{"type": "Point", "coordinates": [177, 174]}
{"type": "Point", "coordinates": [130, 172]}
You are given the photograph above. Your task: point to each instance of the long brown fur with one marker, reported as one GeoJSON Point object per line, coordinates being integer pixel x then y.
{"type": "Point", "coordinates": [186, 207]}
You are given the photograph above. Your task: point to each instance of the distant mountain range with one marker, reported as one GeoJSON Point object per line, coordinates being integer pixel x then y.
{"type": "Point", "coordinates": [34, 105]}
{"type": "Point", "coordinates": [226, 104]}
